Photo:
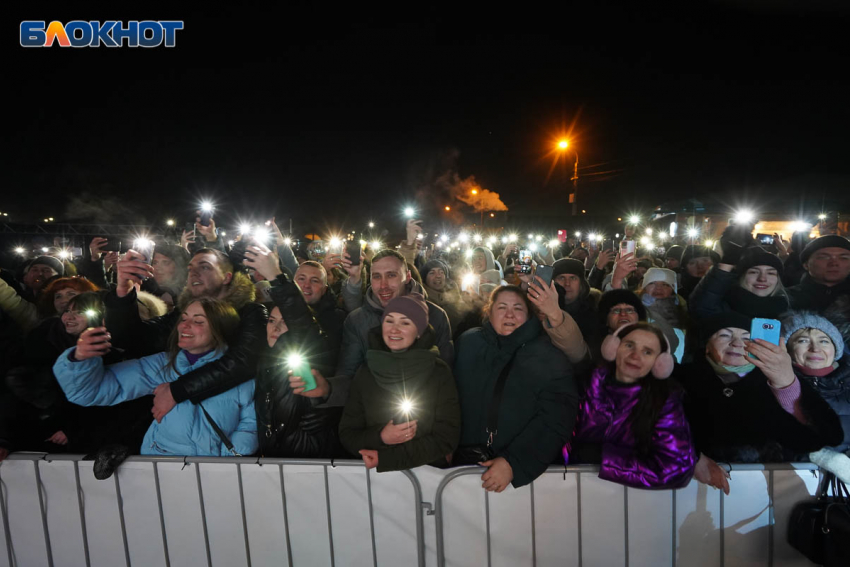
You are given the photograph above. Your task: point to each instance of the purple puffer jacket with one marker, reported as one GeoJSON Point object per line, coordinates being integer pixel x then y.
{"type": "Point", "coordinates": [603, 419]}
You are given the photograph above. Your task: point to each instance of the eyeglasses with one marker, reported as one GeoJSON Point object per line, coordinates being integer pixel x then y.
{"type": "Point", "coordinates": [626, 311]}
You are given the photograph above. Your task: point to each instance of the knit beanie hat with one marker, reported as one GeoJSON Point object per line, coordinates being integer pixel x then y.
{"type": "Point", "coordinates": [810, 320]}
{"type": "Point", "coordinates": [50, 261]}
{"type": "Point", "coordinates": [568, 266]}
{"type": "Point", "coordinates": [698, 251]}
{"type": "Point", "coordinates": [435, 264]}
{"type": "Point", "coordinates": [828, 241]}
{"type": "Point", "coordinates": [660, 275]}
{"type": "Point", "coordinates": [675, 252]}
{"type": "Point", "coordinates": [413, 307]}
{"type": "Point", "coordinates": [725, 320]}
{"type": "Point", "coordinates": [617, 296]}
{"type": "Point", "coordinates": [758, 256]}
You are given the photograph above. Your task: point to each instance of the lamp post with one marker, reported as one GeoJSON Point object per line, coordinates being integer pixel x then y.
{"type": "Point", "coordinates": [563, 145]}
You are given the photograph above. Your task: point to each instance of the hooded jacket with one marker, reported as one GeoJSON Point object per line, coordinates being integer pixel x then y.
{"type": "Point", "coordinates": [288, 424]}
{"type": "Point", "coordinates": [417, 374]}
{"type": "Point", "coordinates": [750, 426]}
{"type": "Point", "coordinates": [604, 418]}
{"type": "Point", "coordinates": [355, 339]}
{"type": "Point", "coordinates": [184, 430]}
{"type": "Point", "coordinates": [539, 402]}
{"type": "Point", "coordinates": [239, 364]}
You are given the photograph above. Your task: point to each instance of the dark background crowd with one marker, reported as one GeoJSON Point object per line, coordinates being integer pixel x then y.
{"type": "Point", "coordinates": [655, 361]}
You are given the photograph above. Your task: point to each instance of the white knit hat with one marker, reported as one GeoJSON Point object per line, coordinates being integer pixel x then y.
{"type": "Point", "coordinates": [660, 275]}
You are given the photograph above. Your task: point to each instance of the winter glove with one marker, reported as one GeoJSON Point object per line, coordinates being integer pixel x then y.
{"type": "Point", "coordinates": [733, 242]}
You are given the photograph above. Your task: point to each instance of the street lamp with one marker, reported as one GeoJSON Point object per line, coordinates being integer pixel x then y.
{"type": "Point", "coordinates": [562, 146]}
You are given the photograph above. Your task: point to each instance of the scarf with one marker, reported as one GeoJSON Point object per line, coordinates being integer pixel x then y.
{"type": "Point", "coordinates": [751, 305]}
{"type": "Point", "coordinates": [721, 369]}
{"type": "Point", "coordinates": [816, 372]}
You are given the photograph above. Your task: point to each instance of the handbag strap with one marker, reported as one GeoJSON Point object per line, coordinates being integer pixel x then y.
{"type": "Point", "coordinates": [495, 403]}
{"type": "Point", "coordinates": [221, 434]}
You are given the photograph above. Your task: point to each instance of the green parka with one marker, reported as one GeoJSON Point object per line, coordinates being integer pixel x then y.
{"type": "Point", "coordinates": [377, 390]}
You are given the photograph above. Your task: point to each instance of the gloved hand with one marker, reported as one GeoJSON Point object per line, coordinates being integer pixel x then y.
{"type": "Point", "coordinates": [733, 242]}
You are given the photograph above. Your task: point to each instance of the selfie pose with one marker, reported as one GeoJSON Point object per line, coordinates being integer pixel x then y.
{"type": "Point", "coordinates": [224, 424]}
{"type": "Point", "coordinates": [745, 405]}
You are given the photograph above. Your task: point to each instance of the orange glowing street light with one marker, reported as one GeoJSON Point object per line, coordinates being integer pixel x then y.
{"type": "Point", "coordinates": [448, 208]}
{"type": "Point", "coordinates": [563, 145]}
{"type": "Point", "coordinates": [474, 191]}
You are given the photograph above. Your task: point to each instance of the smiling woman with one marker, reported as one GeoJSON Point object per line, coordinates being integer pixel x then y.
{"type": "Point", "coordinates": [402, 410]}
{"type": "Point", "coordinates": [744, 403]}
{"type": "Point", "coordinates": [517, 392]}
{"type": "Point", "coordinates": [631, 419]}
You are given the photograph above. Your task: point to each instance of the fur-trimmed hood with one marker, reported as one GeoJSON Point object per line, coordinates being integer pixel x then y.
{"type": "Point", "coordinates": [239, 292]}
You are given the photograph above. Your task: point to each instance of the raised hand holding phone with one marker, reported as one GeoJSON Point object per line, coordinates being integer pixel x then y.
{"type": "Point", "coordinates": [93, 342]}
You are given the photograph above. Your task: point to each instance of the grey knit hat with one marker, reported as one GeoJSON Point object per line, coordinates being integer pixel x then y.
{"type": "Point", "coordinates": [811, 320]}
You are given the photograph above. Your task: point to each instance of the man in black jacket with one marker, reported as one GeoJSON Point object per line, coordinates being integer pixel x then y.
{"type": "Point", "coordinates": [211, 274]}
{"type": "Point", "coordinates": [827, 263]}
{"type": "Point", "coordinates": [312, 279]}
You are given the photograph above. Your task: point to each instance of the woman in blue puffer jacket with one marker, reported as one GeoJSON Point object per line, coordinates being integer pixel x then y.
{"type": "Point", "coordinates": [201, 337]}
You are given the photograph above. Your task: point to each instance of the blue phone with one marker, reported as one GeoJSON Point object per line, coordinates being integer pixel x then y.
{"type": "Point", "coordinates": [765, 329]}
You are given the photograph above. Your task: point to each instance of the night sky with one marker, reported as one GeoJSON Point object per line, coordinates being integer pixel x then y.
{"type": "Point", "coordinates": [341, 117]}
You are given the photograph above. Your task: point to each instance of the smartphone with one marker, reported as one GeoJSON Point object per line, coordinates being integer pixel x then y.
{"type": "Point", "coordinates": [112, 245]}
{"type": "Point", "coordinates": [300, 367]}
{"type": "Point", "coordinates": [352, 248]}
{"type": "Point", "coordinates": [316, 250]}
{"type": "Point", "coordinates": [765, 239]}
{"type": "Point", "coordinates": [545, 274]}
{"type": "Point", "coordinates": [145, 248]}
{"type": "Point", "coordinates": [765, 329]}
{"type": "Point", "coordinates": [524, 262]}
{"type": "Point", "coordinates": [336, 248]}
{"type": "Point", "coordinates": [205, 217]}
{"type": "Point", "coordinates": [627, 247]}
{"type": "Point", "coordinates": [94, 318]}
{"type": "Point", "coordinates": [471, 283]}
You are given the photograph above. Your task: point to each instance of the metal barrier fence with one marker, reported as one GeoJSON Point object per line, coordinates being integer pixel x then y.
{"type": "Point", "coordinates": [569, 517]}
{"type": "Point", "coordinates": [181, 511]}
{"type": "Point", "coordinates": [244, 511]}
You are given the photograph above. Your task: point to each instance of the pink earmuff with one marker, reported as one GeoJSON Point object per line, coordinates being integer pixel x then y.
{"type": "Point", "coordinates": [663, 366]}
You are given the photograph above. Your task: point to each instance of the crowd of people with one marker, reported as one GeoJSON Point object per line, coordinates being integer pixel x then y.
{"type": "Point", "coordinates": [648, 362]}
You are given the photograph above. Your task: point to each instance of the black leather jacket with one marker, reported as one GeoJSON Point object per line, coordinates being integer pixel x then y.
{"type": "Point", "coordinates": [287, 424]}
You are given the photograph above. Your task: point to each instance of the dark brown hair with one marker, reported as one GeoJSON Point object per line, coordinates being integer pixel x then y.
{"type": "Point", "coordinates": [222, 319]}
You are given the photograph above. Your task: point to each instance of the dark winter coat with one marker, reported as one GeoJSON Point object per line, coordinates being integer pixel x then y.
{"type": "Point", "coordinates": [375, 396]}
{"type": "Point", "coordinates": [812, 296]}
{"type": "Point", "coordinates": [355, 339]}
{"type": "Point", "coordinates": [719, 292]}
{"type": "Point", "coordinates": [331, 319]}
{"type": "Point", "coordinates": [239, 364]}
{"type": "Point", "coordinates": [287, 424]}
{"type": "Point", "coordinates": [750, 426]}
{"type": "Point", "coordinates": [835, 389]}
{"type": "Point", "coordinates": [539, 402]}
